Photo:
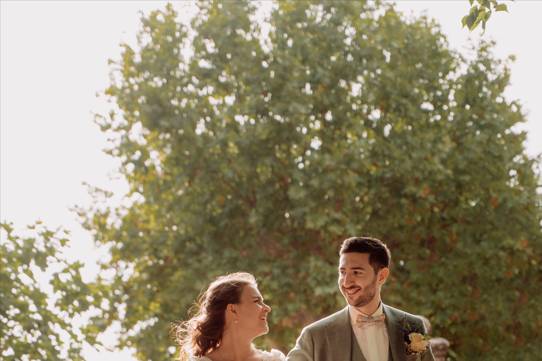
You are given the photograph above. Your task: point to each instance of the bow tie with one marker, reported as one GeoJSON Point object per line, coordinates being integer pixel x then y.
{"type": "Point", "coordinates": [365, 321]}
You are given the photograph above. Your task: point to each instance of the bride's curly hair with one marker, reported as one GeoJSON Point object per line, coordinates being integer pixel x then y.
{"type": "Point", "coordinates": [203, 332]}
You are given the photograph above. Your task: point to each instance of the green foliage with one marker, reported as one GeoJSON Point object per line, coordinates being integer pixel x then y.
{"type": "Point", "coordinates": [261, 153]}
{"type": "Point", "coordinates": [34, 324]}
{"type": "Point", "coordinates": [480, 12]}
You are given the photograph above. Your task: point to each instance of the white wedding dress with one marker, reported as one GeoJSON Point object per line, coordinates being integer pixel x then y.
{"type": "Point", "coordinates": [273, 355]}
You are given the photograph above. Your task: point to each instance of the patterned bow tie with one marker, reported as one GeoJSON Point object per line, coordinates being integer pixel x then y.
{"type": "Point", "coordinates": [365, 321]}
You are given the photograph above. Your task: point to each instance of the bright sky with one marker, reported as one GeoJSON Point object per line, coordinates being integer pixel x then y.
{"type": "Point", "coordinates": [54, 61]}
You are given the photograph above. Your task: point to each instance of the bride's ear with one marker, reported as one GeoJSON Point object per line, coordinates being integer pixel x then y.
{"type": "Point", "coordinates": [231, 311]}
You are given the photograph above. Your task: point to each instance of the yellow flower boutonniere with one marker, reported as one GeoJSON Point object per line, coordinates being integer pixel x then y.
{"type": "Point", "coordinates": [417, 343]}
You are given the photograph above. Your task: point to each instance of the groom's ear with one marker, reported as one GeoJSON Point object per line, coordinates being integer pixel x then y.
{"type": "Point", "coordinates": [383, 274]}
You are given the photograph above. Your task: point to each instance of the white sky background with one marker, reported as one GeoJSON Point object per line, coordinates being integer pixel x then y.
{"type": "Point", "coordinates": [54, 61]}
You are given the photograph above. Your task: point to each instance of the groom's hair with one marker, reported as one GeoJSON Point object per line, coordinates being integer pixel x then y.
{"type": "Point", "coordinates": [379, 254]}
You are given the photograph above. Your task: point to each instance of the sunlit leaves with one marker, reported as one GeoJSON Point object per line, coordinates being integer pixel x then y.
{"type": "Point", "coordinates": [480, 12]}
{"type": "Point", "coordinates": [40, 294]}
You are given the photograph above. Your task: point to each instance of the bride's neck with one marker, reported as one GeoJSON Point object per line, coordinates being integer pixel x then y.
{"type": "Point", "coordinates": [235, 347]}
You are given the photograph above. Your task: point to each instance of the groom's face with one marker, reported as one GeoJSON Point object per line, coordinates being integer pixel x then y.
{"type": "Point", "coordinates": [357, 279]}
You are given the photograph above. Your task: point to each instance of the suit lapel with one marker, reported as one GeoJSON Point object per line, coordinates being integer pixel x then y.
{"type": "Point", "coordinates": [341, 337]}
{"type": "Point", "coordinates": [395, 334]}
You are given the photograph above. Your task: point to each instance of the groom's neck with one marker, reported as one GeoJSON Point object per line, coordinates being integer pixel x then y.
{"type": "Point", "coordinates": [371, 307]}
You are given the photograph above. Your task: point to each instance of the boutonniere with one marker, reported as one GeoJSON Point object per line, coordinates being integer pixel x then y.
{"type": "Point", "coordinates": [416, 343]}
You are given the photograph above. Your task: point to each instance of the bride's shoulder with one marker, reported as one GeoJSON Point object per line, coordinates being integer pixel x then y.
{"type": "Point", "coordinates": [273, 355]}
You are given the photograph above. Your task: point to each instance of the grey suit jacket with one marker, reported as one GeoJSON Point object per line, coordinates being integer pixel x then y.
{"type": "Point", "coordinates": [331, 338]}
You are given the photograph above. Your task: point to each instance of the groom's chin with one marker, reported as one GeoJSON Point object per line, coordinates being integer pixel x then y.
{"type": "Point", "coordinates": [357, 302]}
{"type": "Point", "coordinates": [352, 301]}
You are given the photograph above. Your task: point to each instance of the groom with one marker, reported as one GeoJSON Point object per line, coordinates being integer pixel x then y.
{"type": "Point", "coordinates": [367, 329]}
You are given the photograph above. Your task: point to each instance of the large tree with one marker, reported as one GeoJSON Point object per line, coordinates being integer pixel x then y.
{"type": "Point", "coordinates": [271, 140]}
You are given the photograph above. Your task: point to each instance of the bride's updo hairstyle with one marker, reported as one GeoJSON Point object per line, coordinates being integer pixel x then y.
{"type": "Point", "coordinates": [203, 332]}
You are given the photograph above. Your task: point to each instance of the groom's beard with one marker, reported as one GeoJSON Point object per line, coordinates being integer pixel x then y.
{"type": "Point", "coordinates": [367, 295]}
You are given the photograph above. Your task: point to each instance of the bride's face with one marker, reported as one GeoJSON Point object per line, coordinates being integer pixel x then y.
{"type": "Point", "coordinates": [252, 312]}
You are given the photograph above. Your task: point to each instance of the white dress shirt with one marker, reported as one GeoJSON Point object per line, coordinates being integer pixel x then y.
{"type": "Point", "coordinates": [372, 339]}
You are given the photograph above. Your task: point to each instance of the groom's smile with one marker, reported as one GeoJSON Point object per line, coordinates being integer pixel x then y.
{"type": "Point", "coordinates": [351, 291]}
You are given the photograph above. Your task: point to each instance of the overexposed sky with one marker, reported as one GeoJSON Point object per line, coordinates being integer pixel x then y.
{"type": "Point", "coordinates": [54, 61]}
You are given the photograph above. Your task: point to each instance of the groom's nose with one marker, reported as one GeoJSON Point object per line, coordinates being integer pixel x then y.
{"type": "Point", "coordinates": [347, 280]}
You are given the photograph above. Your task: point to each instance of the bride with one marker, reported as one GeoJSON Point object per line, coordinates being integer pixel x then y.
{"type": "Point", "coordinates": [231, 314]}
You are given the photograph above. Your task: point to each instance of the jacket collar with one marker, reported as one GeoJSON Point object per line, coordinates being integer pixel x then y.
{"type": "Point", "coordinates": [394, 321]}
